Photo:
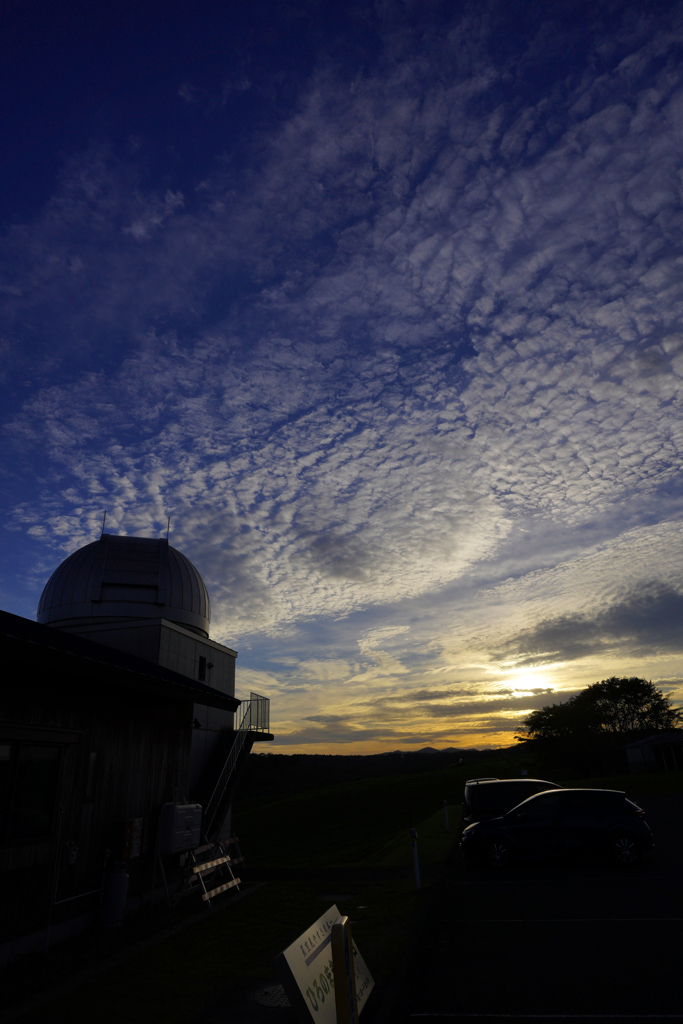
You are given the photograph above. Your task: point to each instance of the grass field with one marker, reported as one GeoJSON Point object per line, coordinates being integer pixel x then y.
{"type": "Point", "coordinates": [355, 823]}
{"type": "Point", "coordinates": [174, 980]}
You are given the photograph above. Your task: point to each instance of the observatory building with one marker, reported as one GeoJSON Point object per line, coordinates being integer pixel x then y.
{"type": "Point", "coordinates": [142, 596]}
{"type": "Point", "coordinates": [118, 726]}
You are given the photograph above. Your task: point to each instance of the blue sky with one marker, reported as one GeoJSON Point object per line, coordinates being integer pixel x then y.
{"type": "Point", "coordinates": [382, 304]}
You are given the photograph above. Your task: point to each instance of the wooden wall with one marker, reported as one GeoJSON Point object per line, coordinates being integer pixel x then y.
{"type": "Point", "coordinates": [142, 743]}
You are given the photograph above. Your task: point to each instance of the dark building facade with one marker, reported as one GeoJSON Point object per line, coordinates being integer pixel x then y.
{"type": "Point", "coordinates": [113, 705]}
{"type": "Point", "coordinates": [661, 752]}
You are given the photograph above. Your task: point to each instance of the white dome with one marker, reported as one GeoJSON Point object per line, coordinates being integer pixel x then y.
{"type": "Point", "coordinates": [124, 579]}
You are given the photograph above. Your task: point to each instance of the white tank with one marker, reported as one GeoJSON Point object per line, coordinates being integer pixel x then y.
{"type": "Point", "coordinates": [179, 828]}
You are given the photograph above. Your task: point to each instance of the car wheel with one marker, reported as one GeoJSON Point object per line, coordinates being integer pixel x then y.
{"type": "Point", "coordinates": [499, 853]}
{"type": "Point", "coordinates": [625, 849]}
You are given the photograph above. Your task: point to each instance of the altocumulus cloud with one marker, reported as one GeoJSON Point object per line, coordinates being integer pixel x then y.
{"type": "Point", "coordinates": [407, 375]}
{"type": "Point", "coordinates": [648, 622]}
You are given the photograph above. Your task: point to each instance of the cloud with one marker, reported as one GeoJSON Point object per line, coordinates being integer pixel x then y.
{"type": "Point", "coordinates": [327, 670]}
{"type": "Point", "coordinates": [346, 736]}
{"type": "Point", "coordinates": [450, 703]}
{"type": "Point", "coordinates": [345, 528]}
{"type": "Point", "coordinates": [647, 622]}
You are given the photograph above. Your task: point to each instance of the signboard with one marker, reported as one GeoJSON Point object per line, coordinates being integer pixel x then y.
{"type": "Point", "coordinates": [307, 973]}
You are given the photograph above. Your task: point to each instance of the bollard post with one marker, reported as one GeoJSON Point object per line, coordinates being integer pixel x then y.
{"type": "Point", "coordinates": [345, 997]}
{"type": "Point", "coordinates": [445, 811]}
{"type": "Point", "coordinates": [416, 866]}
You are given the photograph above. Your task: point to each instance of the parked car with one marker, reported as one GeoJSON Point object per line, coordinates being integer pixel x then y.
{"type": "Point", "coordinates": [563, 822]}
{"type": "Point", "coordinates": [489, 798]}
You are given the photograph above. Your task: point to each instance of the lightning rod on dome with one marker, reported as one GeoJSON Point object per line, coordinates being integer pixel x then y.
{"type": "Point", "coordinates": [168, 527]}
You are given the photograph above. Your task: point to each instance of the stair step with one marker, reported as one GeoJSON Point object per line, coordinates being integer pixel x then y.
{"type": "Point", "coordinates": [213, 864]}
{"type": "Point", "coordinates": [220, 888]}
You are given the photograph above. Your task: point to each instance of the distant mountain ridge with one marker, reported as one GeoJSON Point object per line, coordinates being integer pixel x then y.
{"type": "Point", "coordinates": [444, 750]}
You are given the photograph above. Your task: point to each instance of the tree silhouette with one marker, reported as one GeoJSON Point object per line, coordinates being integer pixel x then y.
{"type": "Point", "coordinates": [585, 730]}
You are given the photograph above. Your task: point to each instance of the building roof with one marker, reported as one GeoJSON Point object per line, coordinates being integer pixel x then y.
{"type": "Point", "coordinates": [665, 736]}
{"type": "Point", "coordinates": [25, 642]}
{"type": "Point", "coordinates": [126, 579]}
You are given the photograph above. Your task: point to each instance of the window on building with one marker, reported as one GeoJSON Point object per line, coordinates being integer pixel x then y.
{"type": "Point", "coordinates": [202, 669]}
{"type": "Point", "coordinates": [29, 777]}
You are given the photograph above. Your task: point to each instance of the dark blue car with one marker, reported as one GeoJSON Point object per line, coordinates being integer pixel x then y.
{"type": "Point", "coordinates": [562, 822]}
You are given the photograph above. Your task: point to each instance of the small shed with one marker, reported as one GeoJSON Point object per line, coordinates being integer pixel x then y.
{"type": "Point", "coordinates": [661, 752]}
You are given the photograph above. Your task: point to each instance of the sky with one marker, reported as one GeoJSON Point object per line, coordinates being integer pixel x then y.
{"type": "Point", "coordinates": [382, 303]}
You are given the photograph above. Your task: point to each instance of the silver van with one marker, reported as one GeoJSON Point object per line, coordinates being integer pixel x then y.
{"type": "Point", "coordinates": [490, 798]}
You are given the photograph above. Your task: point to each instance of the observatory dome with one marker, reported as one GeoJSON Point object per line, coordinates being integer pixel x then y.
{"type": "Point", "coordinates": [126, 579]}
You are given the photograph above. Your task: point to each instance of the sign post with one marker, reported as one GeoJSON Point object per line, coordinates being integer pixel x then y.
{"type": "Point", "coordinates": [345, 998]}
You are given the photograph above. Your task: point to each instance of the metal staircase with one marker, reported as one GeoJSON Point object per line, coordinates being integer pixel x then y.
{"type": "Point", "coordinates": [255, 724]}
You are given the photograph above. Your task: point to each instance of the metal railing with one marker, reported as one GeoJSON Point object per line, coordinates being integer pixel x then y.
{"type": "Point", "coordinates": [258, 712]}
{"type": "Point", "coordinates": [255, 718]}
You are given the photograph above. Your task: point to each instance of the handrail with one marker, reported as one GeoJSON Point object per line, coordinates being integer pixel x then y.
{"type": "Point", "coordinates": [256, 718]}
